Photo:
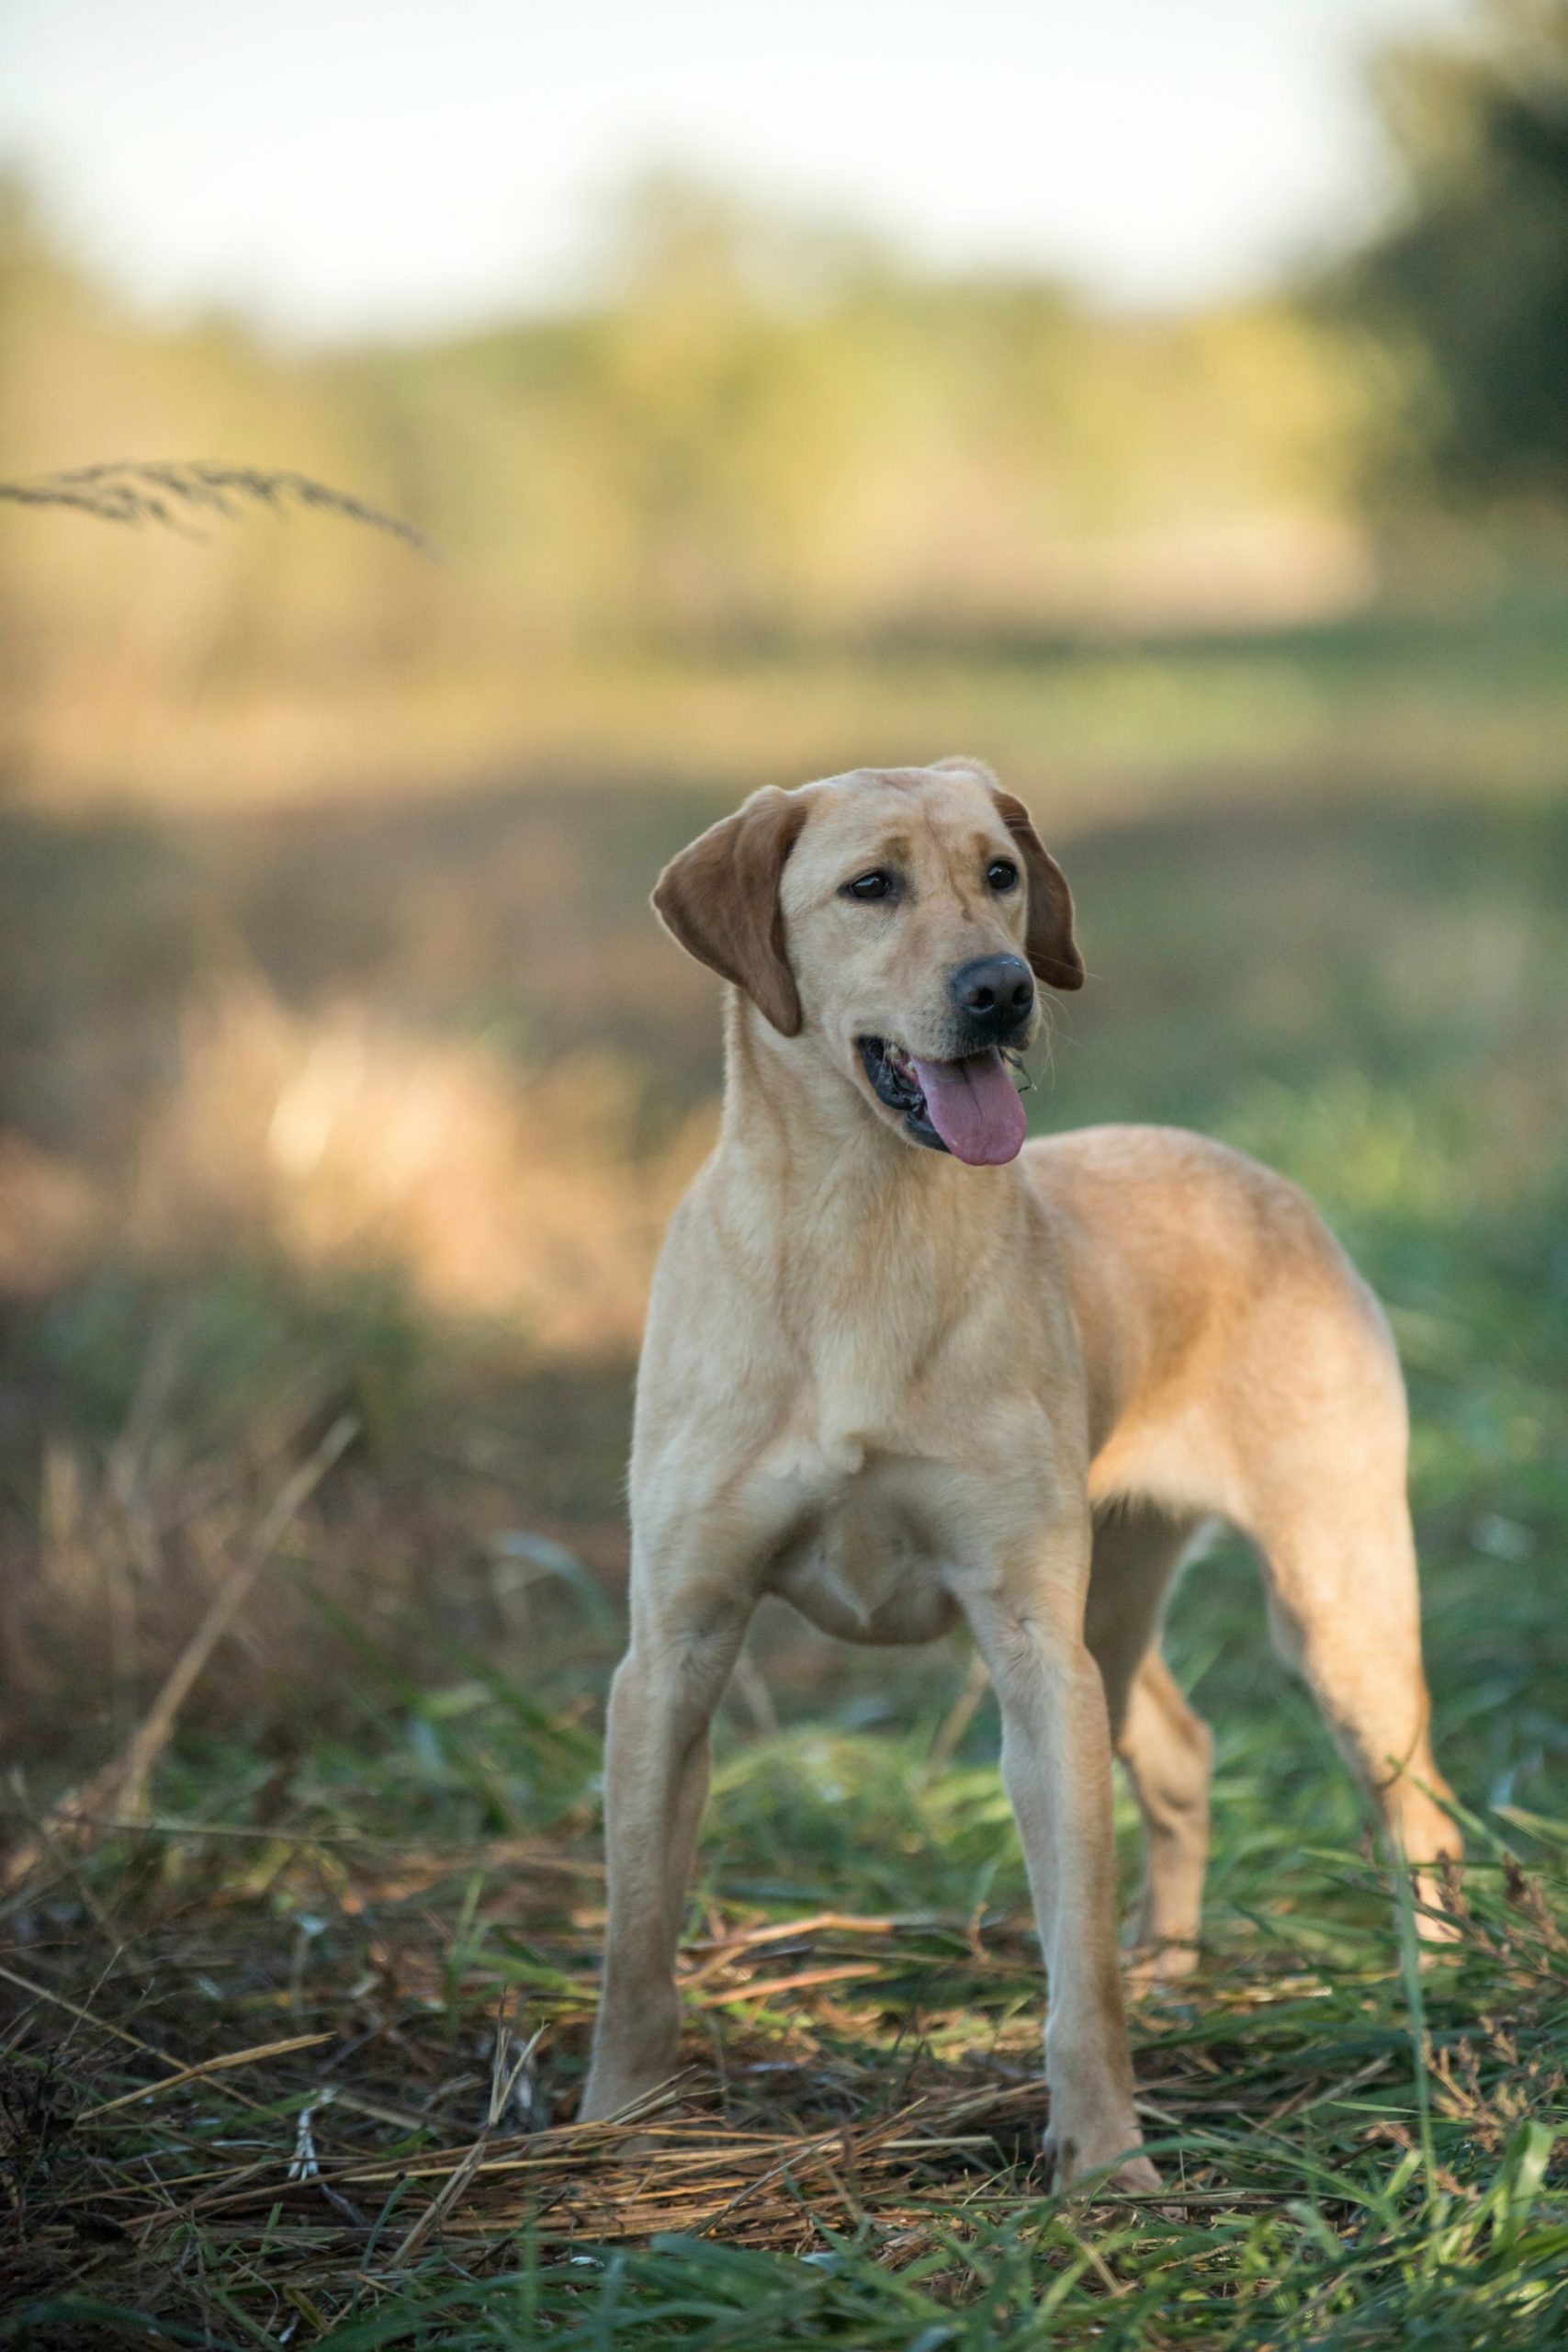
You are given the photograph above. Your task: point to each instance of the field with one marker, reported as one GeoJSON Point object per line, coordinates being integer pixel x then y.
{"type": "Point", "coordinates": [350, 1128]}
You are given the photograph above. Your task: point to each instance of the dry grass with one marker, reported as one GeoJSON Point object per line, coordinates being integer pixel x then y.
{"type": "Point", "coordinates": [334, 1144]}
{"type": "Point", "coordinates": [293, 2056]}
{"type": "Point", "coordinates": [339, 1144]}
{"type": "Point", "coordinates": [269, 1978]}
{"type": "Point", "coordinates": [182, 496]}
{"type": "Point", "coordinates": [272, 2069]}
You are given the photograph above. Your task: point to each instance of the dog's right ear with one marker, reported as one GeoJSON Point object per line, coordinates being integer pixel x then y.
{"type": "Point", "coordinates": [720, 899]}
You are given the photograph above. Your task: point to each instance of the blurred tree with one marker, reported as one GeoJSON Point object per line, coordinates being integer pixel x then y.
{"type": "Point", "coordinates": [1469, 283]}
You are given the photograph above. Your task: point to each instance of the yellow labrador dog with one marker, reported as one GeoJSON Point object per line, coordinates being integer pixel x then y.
{"type": "Point", "coordinates": [901, 1369]}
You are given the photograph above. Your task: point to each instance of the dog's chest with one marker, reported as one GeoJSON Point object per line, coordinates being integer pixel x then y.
{"type": "Point", "coordinates": [862, 1550]}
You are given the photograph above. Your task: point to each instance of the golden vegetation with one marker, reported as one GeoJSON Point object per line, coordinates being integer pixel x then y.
{"type": "Point", "coordinates": [757, 439]}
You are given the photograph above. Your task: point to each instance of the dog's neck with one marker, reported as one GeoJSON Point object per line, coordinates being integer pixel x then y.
{"type": "Point", "coordinates": [807, 1136]}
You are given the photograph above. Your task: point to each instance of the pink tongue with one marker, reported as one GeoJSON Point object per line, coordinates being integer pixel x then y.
{"type": "Point", "coordinates": [975, 1108]}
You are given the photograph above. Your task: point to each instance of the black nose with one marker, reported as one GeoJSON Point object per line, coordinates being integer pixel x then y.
{"type": "Point", "coordinates": [994, 994]}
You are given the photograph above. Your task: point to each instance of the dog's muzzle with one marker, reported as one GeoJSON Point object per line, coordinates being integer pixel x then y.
{"type": "Point", "coordinates": [893, 1079]}
{"type": "Point", "coordinates": [967, 1106]}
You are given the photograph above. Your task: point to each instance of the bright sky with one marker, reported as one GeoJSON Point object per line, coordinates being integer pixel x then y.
{"type": "Point", "coordinates": [339, 166]}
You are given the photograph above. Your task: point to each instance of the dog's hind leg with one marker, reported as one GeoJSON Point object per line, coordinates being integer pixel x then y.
{"type": "Point", "coordinates": [656, 1781]}
{"type": "Point", "coordinates": [1165, 1749]}
{"type": "Point", "coordinates": [1343, 1611]}
{"type": "Point", "coordinates": [1322, 1492]}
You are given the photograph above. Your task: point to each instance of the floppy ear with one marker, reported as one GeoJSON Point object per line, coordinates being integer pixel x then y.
{"type": "Point", "coordinates": [1049, 944]}
{"type": "Point", "coordinates": [720, 899]}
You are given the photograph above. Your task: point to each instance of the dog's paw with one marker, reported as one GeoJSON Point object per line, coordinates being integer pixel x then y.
{"type": "Point", "coordinates": [1440, 1921]}
{"type": "Point", "coordinates": [1075, 2163]}
{"type": "Point", "coordinates": [1139, 2176]}
{"type": "Point", "coordinates": [1148, 1967]}
{"type": "Point", "coordinates": [615, 2142]}
{"type": "Point", "coordinates": [615, 2099]}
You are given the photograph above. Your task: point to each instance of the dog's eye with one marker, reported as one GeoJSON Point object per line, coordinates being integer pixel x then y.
{"type": "Point", "coordinates": [875, 884]}
{"type": "Point", "coordinates": [1002, 874]}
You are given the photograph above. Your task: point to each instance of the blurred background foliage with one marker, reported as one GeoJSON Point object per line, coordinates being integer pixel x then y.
{"type": "Point", "coordinates": [1469, 284]}
{"type": "Point", "coordinates": [761, 448]}
{"type": "Point", "coordinates": [760, 432]}
{"type": "Point", "coordinates": [347, 1084]}
{"type": "Point", "coordinates": [340, 1062]}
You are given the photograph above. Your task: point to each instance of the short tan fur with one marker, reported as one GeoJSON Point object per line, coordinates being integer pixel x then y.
{"type": "Point", "coordinates": [898, 1391]}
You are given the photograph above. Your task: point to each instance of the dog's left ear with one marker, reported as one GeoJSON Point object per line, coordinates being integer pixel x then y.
{"type": "Point", "coordinates": [1052, 950]}
{"type": "Point", "coordinates": [720, 899]}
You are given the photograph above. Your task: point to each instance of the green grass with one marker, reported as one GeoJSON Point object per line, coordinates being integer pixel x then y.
{"type": "Point", "coordinates": [380, 1821]}
{"type": "Point", "coordinates": [1367, 2150]}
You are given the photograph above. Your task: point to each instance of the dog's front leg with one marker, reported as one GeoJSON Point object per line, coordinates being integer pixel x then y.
{"type": "Point", "coordinates": [656, 1780]}
{"type": "Point", "coordinates": [1028, 1623]}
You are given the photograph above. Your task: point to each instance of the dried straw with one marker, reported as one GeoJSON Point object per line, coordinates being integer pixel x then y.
{"type": "Point", "coordinates": [132, 491]}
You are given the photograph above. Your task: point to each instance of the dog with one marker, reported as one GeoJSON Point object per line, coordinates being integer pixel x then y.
{"type": "Point", "coordinates": [903, 1369]}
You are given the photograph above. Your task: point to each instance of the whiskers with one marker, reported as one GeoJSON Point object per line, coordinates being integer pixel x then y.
{"type": "Point", "coordinates": [1024, 1076]}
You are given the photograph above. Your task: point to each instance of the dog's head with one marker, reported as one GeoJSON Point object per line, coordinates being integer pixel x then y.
{"type": "Point", "coordinates": [895, 922]}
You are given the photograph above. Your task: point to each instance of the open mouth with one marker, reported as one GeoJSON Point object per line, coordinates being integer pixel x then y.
{"type": "Point", "coordinates": [970, 1107]}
